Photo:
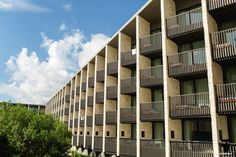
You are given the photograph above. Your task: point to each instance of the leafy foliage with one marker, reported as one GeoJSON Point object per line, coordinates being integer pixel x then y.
{"type": "Point", "coordinates": [24, 133]}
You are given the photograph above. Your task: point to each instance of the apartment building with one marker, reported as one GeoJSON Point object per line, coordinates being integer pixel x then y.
{"type": "Point", "coordinates": [164, 85]}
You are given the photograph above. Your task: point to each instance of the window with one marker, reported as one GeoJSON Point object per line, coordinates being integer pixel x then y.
{"type": "Point", "coordinates": [157, 95]}
{"type": "Point", "coordinates": [230, 74]}
{"type": "Point", "coordinates": [227, 25]}
{"type": "Point", "coordinates": [194, 86]}
{"type": "Point", "coordinates": [133, 131]}
{"type": "Point", "coordinates": [232, 129]}
{"type": "Point", "coordinates": [156, 62]}
{"type": "Point", "coordinates": [133, 100]}
{"type": "Point", "coordinates": [197, 130]}
{"type": "Point", "coordinates": [158, 130]}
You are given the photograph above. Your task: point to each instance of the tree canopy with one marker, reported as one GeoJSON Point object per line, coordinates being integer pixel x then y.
{"type": "Point", "coordinates": [24, 133]}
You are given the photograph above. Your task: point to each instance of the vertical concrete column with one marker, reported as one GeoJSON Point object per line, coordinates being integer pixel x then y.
{"type": "Point", "coordinates": [94, 99]}
{"type": "Point", "coordinates": [137, 86]}
{"type": "Point", "coordinates": [214, 72]}
{"type": "Point", "coordinates": [80, 96]}
{"type": "Point", "coordinates": [118, 96]}
{"type": "Point", "coordinates": [105, 101]}
{"type": "Point", "coordinates": [171, 86]}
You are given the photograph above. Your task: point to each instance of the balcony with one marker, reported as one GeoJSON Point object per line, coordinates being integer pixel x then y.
{"type": "Point", "coordinates": [77, 90]}
{"type": "Point", "coordinates": [227, 149]}
{"type": "Point", "coordinates": [82, 104]}
{"type": "Point", "coordinates": [76, 106]}
{"type": "Point", "coordinates": [152, 111]}
{"type": "Point", "coordinates": [112, 92]}
{"type": "Point", "coordinates": [74, 140]}
{"type": "Point", "coordinates": [111, 117]}
{"type": "Point", "coordinates": [224, 45]}
{"type": "Point", "coordinates": [89, 121]}
{"type": "Point", "coordinates": [112, 68]}
{"type": "Point", "coordinates": [90, 101]}
{"type": "Point", "coordinates": [128, 147]}
{"type": "Point", "coordinates": [191, 149]}
{"type": "Point", "coordinates": [91, 82]}
{"type": "Point", "coordinates": [83, 86]}
{"type": "Point", "coordinates": [128, 59]}
{"type": "Point", "coordinates": [226, 97]}
{"type": "Point", "coordinates": [99, 119]}
{"type": "Point", "coordinates": [81, 141]}
{"type": "Point", "coordinates": [151, 148]}
{"type": "Point", "coordinates": [128, 115]}
{"type": "Point", "coordinates": [67, 98]}
{"type": "Point", "coordinates": [128, 86]}
{"type": "Point", "coordinates": [151, 46]}
{"type": "Point", "coordinates": [190, 106]}
{"type": "Point", "coordinates": [101, 76]}
{"type": "Point", "coordinates": [81, 122]}
{"type": "Point", "coordinates": [88, 142]}
{"type": "Point", "coordinates": [98, 143]}
{"type": "Point", "coordinates": [189, 63]}
{"type": "Point", "coordinates": [110, 145]}
{"type": "Point", "coordinates": [151, 77]}
{"type": "Point", "coordinates": [216, 4]}
{"type": "Point", "coordinates": [76, 123]}
{"type": "Point", "coordinates": [67, 111]}
{"type": "Point", "coordinates": [185, 26]}
{"type": "Point", "coordinates": [99, 97]}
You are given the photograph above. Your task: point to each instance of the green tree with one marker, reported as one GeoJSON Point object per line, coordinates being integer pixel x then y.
{"type": "Point", "coordinates": [24, 133]}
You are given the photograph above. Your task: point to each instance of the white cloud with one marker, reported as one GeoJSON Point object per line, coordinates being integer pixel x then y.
{"type": "Point", "coordinates": [21, 5]}
{"type": "Point", "coordinates": [62, 27]}
{"type": "Point", "coordinates": [67, 7]}
{"type": "Point", "coordinates": [35, 81]}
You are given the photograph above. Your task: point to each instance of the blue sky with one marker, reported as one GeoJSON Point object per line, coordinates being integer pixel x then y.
{"type": "Point", "coordinates": [41, 30]}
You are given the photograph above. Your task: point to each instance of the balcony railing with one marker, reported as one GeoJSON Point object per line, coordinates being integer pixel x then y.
{"type": "Point", "coordinates": [81, 122]}
{"type": "Point", "coordinates": [112, 92]}
{"type": "Point", "coordinates": [151, 77]}
{"type": "Point", "coordinates": [91, 82]}
{"type": "Point", "coordinates": [77, 90]}
{"type": "Point", "coordinates": [215, 4]}
{"type": "Point", "coordinates": [151, 44]}
{"type": "Point", "coordinates": [128, 86]}
{"type": "Point", "coordinates": [98, 143]}
{"type": "Point", "coordinates": [76, 106]}
{"type": "Point", "coordinates": [128, 115]}
{"type": "Point", "coordinates": [88, 142]}
{"type": "Point", "coordinates": [90, 101]}
{"type": "Point", "coordinates": [89, 121]}
{"type": "Point", "coordinates": [127, 147]}
{"type": "Point", "coordinates": [67, 98]}
{"type": "Point", "coordinates": [83, 86]}
{"type": "Point", "coordinates": [190, 106]}
{"type": "Point", "coordinates": [191, 149]}
{"type": "Point", "coordinates": [187, 63]}
{"type": "Point", "coordinates": [111, 117]}
{"type": "Point", "coordinates": [128, 59]}
{"type": "Point", "coordinates": [184, 23]}
{"type": "Point", "coordinates": [99, 119]}
{"type": "Point", "coordinates": [111, 145]}
{"type": "Point", "coordinates": [74, 140]}
{"type": "Point", "coordinates": [152, 111]}
{"type": "Point", "coordinates": [100, 76]}
{"type": "Point", "coordinates": [100, 97]}
{"type": "Point", "coordinates": [227, 149]}
{"type": "Point", "coordinates": [112, 68]}
{"type": "Point", "coordinates": [226, 96]}
{"type": "Point", "coordinates": [66, 111]}
{"type": "Point", "coordinates": [81, 141]}
{"type": "Point", "coordinates": [224, 44]}
{"type": "Point", "coordinates": [82, 104]}
{"type": "Point", "coordinates": [151, 148]}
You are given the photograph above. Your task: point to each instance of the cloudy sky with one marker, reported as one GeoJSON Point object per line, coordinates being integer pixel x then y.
{"type": "Point", "coordinates": [43, 43]}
